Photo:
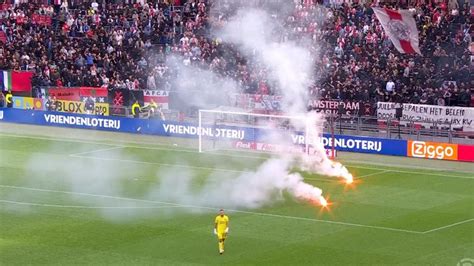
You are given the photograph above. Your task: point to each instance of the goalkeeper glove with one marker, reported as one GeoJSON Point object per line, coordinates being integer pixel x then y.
{"type": "Point", "coordinates": [215, 231]}
{"type": "Point", "coordinates": [227, 230]}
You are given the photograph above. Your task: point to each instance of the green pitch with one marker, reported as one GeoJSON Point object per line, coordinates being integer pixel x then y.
{"type": "Point", "coordinates": [56, 208]}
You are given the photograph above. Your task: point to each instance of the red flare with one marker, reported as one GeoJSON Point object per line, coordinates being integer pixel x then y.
{"type": "Point", "coordinates": [351, 185]}
{"type": "Point", "coordinates": [322, 203]}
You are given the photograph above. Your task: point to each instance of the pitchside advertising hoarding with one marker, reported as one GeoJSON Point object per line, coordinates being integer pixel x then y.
{"type": "Point", "coordinates": [278, 148]}
{"type": "Point", "coordinates": [440, 151]}
{"type": "Point", "coordinates": [28, 103]}
{"type": "Point", "coordinates": [80, 107]}
{"type": "Point", "coordinates": [432, 150]}
{"type": "Point", "coordinates": [60, 119]}
{"type": "Point", "coordinates": [77, 107]}
{"type": "Point", "coordinates": [241, 136]}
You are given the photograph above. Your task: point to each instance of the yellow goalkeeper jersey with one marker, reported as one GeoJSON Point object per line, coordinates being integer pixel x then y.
{"type": "Point", "coordinates": [222, 222]}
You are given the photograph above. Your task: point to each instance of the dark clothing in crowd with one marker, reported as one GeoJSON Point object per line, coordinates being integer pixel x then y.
{"type": "Point", "coordinates": [121, 45]}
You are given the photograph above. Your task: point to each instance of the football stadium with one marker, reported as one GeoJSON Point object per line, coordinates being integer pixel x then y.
{"type": "Point", "coordinates": [240, 132]}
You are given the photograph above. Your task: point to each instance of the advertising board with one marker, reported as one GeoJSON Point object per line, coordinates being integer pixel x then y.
{"type": "Point", "coordinates": [77, 107]}
{"type": "Point", "coordinates": [241, 137]}
{"type": "Point", "coordinates": [432, 150]}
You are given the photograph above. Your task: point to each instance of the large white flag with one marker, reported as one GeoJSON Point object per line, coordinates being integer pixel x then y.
{"type": "Point", "coordinates": [401, 29]}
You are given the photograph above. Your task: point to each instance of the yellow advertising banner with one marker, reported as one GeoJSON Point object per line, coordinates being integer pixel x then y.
{"type": "Point", "coordinates": [80, 107]}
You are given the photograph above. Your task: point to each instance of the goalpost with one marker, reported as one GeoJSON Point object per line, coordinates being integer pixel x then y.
{"type": "Point", "coordinates": [211, 123]}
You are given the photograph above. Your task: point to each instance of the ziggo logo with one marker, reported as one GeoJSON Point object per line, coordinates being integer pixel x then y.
{"type": "Point", "coordinates": [432, 150]}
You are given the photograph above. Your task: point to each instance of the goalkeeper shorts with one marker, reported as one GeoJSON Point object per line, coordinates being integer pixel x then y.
{"type": "Point", "coordinates": [221, 235]}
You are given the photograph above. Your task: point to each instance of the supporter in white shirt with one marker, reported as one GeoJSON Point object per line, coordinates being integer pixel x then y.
{"type": "Point", "coordinates": [105, 79]}
{"type": "Point", "coordinates": [184, 41]}
{"type": "Point", "coordinates": [110, 49]}
{"type": "Point", "coordinates": [94, 5]}
{"type": "Point", "coordinates": [365, 28]}
{"type": "Point", "coordinates": [151, 84]}
{"type": "Point", "coordinates": [390, 86]}
{"type": "Point", "coordinates": [64, 5]}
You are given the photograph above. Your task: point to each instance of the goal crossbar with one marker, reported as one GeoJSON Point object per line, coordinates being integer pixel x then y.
{"type": "Point", "coordinates": [251, 114]}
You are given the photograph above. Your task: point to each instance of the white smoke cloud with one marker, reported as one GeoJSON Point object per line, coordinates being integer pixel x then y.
{"type": "Point", "coordinates": [250, 190]}
{"type": "Point", "coordinates": [199, 87]}
{"type": "Point", "coordinates": [290, 67]}
{"type": "Point", "coordinates": [320, 162]}
{"type": "Point", "coordinates": [287, 63]}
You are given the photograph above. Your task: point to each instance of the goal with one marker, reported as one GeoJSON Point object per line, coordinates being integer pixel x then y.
{"type": "Point", "coordinates": [234, 130]}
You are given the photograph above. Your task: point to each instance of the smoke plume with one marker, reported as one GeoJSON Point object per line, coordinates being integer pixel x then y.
{"type": "Point", "coordinates": [288, 65]}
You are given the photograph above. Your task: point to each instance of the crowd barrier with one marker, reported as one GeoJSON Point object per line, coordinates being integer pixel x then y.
{"type": "Point", "coordinates": [417, 149]}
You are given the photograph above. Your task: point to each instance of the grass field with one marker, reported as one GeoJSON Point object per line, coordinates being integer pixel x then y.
{"type": "Point", "coordinates": [75, 201]}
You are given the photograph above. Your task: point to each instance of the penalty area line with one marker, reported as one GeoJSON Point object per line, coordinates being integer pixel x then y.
{"type": "Point", "coordinates": [94, 151]}
{"type": "Point", "coordinates": [448, 226]}
{"type": "Point", "coordinates": [83, 206]}
{"type": "Point", "coordinates": [203, 167]}
{"type": "Point", "coordinates": [372, 174]}
{"type": "Point", "coordinates": [332, 178]}
{"type": "Point", "coordinates": [156, 163]}
{"type": "Point", "coordinates": [215, 208]}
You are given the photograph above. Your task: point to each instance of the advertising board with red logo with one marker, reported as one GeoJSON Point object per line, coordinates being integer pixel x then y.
{"type": "Point", "coordinates": [78, 93]}
{"type": "Point", "coordinates": [277, 148]}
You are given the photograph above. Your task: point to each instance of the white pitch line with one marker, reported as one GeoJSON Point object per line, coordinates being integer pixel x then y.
{"type": "Point", "coordinates": [214, 208]}
{"type": "Point", "coordinates": [244, 156]}
{"type": "Point", "coordinates": [372, 174]}
{"type": "Point", "coordinates": [202, 167]}
{"type": "Point", "coordinates": [407, 172]}
{"type": "Point", "coordinates": [82, 206]}
{"type": "Point", "coordinates": [448, 226]}
{"type": "Point", "coordinates": [88, 194]}
{"type": "Point", "coordinates": [396, 165]}
{"type": "Point", "coordinates": [94, 151]}
{"type": "Point", "coordinates": [164, 164]}
{"type": "Point", "coordinates": [357, 177]}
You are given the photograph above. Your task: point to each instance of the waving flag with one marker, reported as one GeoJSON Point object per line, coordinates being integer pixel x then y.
{"type": "Point", "coordinates": [400, 27]}
{"type": "Point", "coordinates": [6, 80]}
{"type": "Point", "coordinates": [15, 80]}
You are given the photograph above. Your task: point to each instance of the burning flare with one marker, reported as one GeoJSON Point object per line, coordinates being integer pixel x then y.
{"type": "Point", "coordinates": [342, 171]}
{"type": "Point", "coordinates": [323, 201]}
{"type": "Point", "coordinates": [306, 192]}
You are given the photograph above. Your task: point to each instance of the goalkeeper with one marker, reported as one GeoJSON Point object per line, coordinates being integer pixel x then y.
{"type": "Point", "coordinates": [221, 229]}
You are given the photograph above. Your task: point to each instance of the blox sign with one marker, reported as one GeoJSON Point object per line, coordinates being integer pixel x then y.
{"type": "Point", "coordinates": [432, 150]}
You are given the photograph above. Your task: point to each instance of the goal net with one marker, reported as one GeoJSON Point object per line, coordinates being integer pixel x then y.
{"type": "Point", "coordinates": [233, 130]}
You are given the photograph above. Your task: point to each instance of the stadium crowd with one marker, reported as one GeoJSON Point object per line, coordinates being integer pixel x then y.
{"type": "Point", "coordinates": [124, 44]}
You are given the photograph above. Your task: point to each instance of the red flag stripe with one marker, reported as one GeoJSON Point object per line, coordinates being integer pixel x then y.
{"type": "Point", "coordinates": [393, 14]}
{"type": "Point", "coordinates": [21, 80]}
{"type": "Point", "coordinates": [406, 46]}
{"type": "Point", "coordinates": [156, 99]}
